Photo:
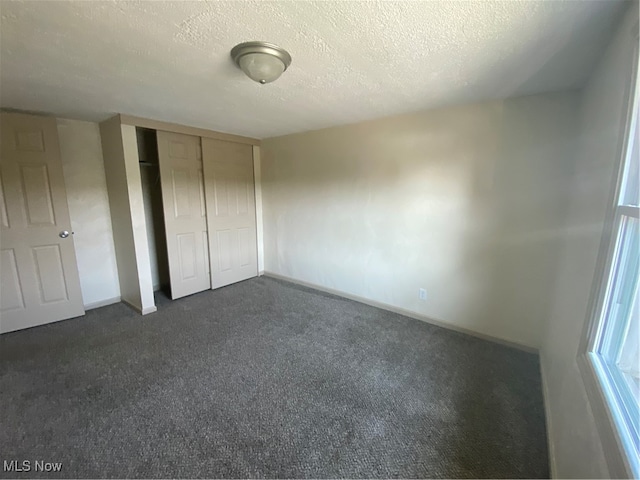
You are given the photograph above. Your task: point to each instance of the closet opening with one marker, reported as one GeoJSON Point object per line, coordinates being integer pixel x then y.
{"type": "Point", "coordinates": [153, 209]}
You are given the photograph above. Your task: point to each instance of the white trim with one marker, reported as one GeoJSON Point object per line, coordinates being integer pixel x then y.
{"type": "Point", "coordinates": [184, 129]}
{"type": "Point", "coordinates": [612, 445]}
{"type": "Point", "coordinates": [610, 435]}
{"type": "Point", "coordinates": [102, 303]}
{"type": "Point", "coordinates": [141, 311]}
{"type": "Point", "coordinates": [549, 424]}
{"type": "Point", "coordinates": [257, 180]}
{"type": "Point", "coordinates": [406, 313]}
{"type": "Point", "coordinates": [148, 310]}
{"type": "Point", "coordinates": [600, 278]}
{"type": "Point", "coordinates": [628, 210]}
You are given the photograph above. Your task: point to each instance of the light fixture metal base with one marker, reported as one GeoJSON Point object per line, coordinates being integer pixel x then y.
{"type": "Point", "coordinates": [245, 48]}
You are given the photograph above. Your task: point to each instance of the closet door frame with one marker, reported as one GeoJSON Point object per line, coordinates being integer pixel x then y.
{"type": "Point", "coordinates": [130, 162]}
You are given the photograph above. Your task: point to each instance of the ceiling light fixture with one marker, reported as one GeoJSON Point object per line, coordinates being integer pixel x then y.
{"type": "Point", "coordinates": [262, 62]}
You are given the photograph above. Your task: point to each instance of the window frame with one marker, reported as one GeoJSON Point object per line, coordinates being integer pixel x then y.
{"type": "Point", "coordinates": [607, 412]}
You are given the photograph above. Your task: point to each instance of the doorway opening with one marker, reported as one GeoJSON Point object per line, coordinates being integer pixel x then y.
{"type": "Point", "coordinates": [153, 209]}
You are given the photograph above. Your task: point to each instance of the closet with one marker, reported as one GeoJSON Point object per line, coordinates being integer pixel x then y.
{"type": "Point", "coordinates": [153, 213]}
{"type": "Point", "coordinates": [189, 196]}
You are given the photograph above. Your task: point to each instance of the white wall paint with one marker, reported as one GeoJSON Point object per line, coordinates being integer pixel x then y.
{"type": "Point", "coordinates": [86, 186]}
{"type": "Point", "coordinates": [576, 448]}
{"type": "Point", "coordinates": [465, 202]}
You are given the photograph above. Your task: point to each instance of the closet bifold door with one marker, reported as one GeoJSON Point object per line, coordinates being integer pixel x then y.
{"type": "Point", "coordinates": [185, 218]}
{"type": "Point", "coordinates": [231, 211]}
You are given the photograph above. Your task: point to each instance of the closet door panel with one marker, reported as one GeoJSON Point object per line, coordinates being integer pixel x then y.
{"type": "Point", "coordinates": [181, 180]}
{"type": "Point", "coordinates": [231, 218]}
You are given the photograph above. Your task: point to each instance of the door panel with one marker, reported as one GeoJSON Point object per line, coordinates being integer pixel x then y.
{"type": "Point", "coordinates": [180, 182]}
{"type": "Point", "coordinates": [38, 269]}
{"type": "Point", "coordinates": [187, 251]}
{"type": "Point", "coordinates": [224, 250]}
{"type": "Point", "coordinates": [4, 217]}
{"type": "Point", "coordinates": [184, 213]}
{"type": "Point", "coordinates": [48, 262]}
{"type": "Point", "coordinates": [230, 199]}
{"type": "Point", "coordinates": [244, 247]}
{"type": "Point", "coordinates": [220, 198]}
{"type": "Point", "coordinates": [205, 248]}
{"type": "Point", "coordinates": [242, 197]}
{"type": "Point", "coordinates": [28, 139]}
{"type": "Point", "coordinates": [37, 195]}
{"type": "Point", "coordinates": [12, 298]}
{"type": "Point", "coordinates": [203, 208]}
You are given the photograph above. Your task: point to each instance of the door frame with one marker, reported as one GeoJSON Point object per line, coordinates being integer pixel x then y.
{"type": "Point", "coordinates": [141, 263]}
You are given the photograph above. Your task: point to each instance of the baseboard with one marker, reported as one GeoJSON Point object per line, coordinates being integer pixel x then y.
{"type": "Point", "coordinates": [402, 311]}
{"type": "Point", "coordinates": [102, 303]}
{"type": "Point", "coordinates": [141, 311]}
{"type": "Point", "coordinates": [549, 425]}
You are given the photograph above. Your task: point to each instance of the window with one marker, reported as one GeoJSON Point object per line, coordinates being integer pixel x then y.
{"type": "Point", "coordinates": [613, 348]}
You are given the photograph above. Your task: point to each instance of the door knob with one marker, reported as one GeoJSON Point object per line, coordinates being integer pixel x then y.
{"type": "Point", "coordinates": [64, 234]}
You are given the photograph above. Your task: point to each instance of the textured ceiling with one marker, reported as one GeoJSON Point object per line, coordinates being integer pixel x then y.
{"type": "Point", "coordinates": [351, 60]}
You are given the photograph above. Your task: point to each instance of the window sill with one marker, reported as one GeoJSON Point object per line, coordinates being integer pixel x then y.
{"type": "Point", "coordinates": [622, 459]}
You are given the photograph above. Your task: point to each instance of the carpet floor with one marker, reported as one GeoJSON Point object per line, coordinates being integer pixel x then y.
{"type": "Point", "coordinates": [267, 379]}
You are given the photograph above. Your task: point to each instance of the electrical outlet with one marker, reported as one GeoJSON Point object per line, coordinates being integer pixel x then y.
{"type": "Point", "coordinates": [422, 294]}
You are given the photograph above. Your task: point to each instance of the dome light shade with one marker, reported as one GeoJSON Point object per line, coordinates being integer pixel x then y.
{"type": "Point", "coordinates": [260, 67]}
{"type": "Point", "coordinates": [262, 62]}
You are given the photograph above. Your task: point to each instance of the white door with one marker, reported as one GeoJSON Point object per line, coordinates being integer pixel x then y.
{"type": "Point", "coordinates": [38, 269]}
{"type": "Point", "coordinates": [231, 211]}
{"type": "Point", "coordinates": [185, 215]}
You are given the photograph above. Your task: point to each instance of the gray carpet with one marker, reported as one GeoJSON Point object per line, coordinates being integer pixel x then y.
{"type": "Point", "coordinates": [267, 379]}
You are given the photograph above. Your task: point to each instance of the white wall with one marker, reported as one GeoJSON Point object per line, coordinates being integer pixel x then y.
{"type": "Point", "coordinates": [576, 447]}
{"type": "Point", "coordinates": [465, 202]}
{"type": "Point", "coordinates": [85, 182]}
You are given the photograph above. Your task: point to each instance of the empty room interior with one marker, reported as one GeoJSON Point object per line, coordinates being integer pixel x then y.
{"type": "Point", "coordinates": [319, 239]}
